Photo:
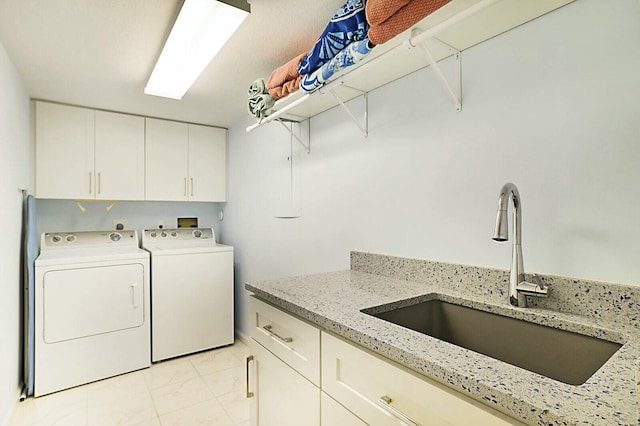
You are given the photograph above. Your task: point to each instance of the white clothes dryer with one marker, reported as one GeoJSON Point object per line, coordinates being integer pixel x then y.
{"type": "Point", "coordinates": [92, 316]}
{"type": "Point", "coordinates": [191, 291]}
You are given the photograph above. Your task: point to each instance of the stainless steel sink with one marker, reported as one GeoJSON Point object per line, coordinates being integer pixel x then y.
{"type": "Point", "coordinates": [558, 354]}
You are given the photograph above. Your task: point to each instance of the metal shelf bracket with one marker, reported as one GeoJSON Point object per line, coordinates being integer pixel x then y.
{"type": "Point", "coordinates": [456, 92]}
{"type": "Point", "coordinates": [364, 125]}
{"type": "Point", "coordinates": [307, 145]}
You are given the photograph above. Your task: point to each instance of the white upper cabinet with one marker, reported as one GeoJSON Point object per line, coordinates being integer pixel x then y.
{"type": "Point", "coordinates": [207, 163]}
{"type": "Point", "coordinates": [86, 154]}
{"type": "Point", "coordinates": [185, 162]}
{"type": "Point", "coordinates": [119, 150]}
{"type": "Point", "coordinates": [167, 160]}
{"type": "Point", "coordinates": [64, 152]}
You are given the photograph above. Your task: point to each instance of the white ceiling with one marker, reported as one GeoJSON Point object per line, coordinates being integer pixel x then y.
{"type": "Point", "coordinates": [100, 53]}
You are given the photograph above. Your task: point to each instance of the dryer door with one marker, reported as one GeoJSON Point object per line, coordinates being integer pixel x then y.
{"type": "Point", "coordinates": [88, 301]}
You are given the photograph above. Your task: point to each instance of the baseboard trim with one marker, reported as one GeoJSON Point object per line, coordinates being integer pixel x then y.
{"type": "Point", "coordinates": [242, 337]}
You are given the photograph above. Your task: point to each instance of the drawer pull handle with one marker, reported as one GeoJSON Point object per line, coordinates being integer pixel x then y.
{"type": "Point", "coordinates": [268, 329]}
{"type": "Point", "coordinates": [249, 359]}
{"type": "Point", "coordinates": [385, 402]}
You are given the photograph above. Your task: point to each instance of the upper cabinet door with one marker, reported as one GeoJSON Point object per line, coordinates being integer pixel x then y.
{"type": "Point", "coordinates": [119, 166]}
{"type": "Point", "coordinates": [207, 163]}
{"type": "Point", "coordinates": [167, 160]}
{"type": "Point", "coordinates": [64, 152]}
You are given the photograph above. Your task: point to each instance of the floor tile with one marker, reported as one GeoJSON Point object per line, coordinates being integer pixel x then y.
{"type": "Point", "coordinates": [236, 405]}
{"type": "Point", "coordinates": [61, 408]}
{"type": "Point", "coordinates": [215, 360]}
{"type": "Point", "coordinates": [117, 387]}
{"type": "Point", "coordinates": [126, 410]}
{"type": "Point", "coordinates": [168, 372]}
{"type": "Point", "coordinates": [167, 393]}
{"type": "Point", "coordinates": [180, 395]}
{"type": "Point", "coordinates": [207, 413]}
{"type": "Point", "coordinates": [225, 381]}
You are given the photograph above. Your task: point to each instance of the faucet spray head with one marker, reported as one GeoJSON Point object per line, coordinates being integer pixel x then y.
{"type": "Point", "coordinates": [501, 232]}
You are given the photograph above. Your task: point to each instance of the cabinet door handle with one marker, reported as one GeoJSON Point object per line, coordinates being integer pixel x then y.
{"type": "Point", "coordinates": [269, 329]}
{"type": "Point", "coordinates": [90, 182]}
{"type": "Point", "coordinates": [185, 187]}
{"type": "Point", "coordinates": [99, 182]}
{"type": "Point", "coordinates": [385, 402]}
{"type": "Point", "coordinates": [249, 359]}
{"type": "Point", "coordinates": [192, 187]}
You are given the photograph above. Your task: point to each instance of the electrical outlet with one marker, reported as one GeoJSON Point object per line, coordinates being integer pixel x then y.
{"type": "Point", "coordinates": [160, 224]}
{"type": "Point", "coordinates": [120, 224]}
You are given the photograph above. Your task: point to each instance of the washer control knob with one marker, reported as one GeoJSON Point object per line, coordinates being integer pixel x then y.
{"type": "Point", "coordinates": [197, 233]}
{"type": "Point", "coordinates": [164, 234]}
{"type": "Point", "coordinates": [70, 238]}
{"type": "Point", "coordinates": [115, 237]}
{"type": "Point", "coordinates": [56, 239]}
{"type": "Point", "coordinates": [174, 234]}
{"type": "Point", "coordinates": [153, 234]}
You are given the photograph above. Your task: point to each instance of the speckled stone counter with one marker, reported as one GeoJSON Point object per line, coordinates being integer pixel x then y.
{"type": "Point", "coordinates": [334, 302]}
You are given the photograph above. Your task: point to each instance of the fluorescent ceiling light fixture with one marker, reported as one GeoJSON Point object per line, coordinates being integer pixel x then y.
{"type": "Point", "coordinates": [200, 31]}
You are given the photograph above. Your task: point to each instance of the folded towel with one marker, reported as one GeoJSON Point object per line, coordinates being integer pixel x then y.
{"type": "Point", "coordinates": [259, 104]}
{"type": "Point", "coordinates": [349, 24]}
{"type": "Point", "coordinates": [285, 79]}
{"type": "Point", "coordinates": [259, 99]}
{"type": "Point", "coordinates": [350, 55]}
{"type": "Point", "coordinates": [378, 11]}
{"type": "Point", "coordinates": [403, 19]}
{"type": "Point", "coordinates": [257, 87]}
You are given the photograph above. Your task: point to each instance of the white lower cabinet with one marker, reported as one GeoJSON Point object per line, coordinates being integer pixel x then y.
{"type": "Point", "coordinates": [356, 387]}
{"type": "Point", "coordinates": [279, 395]}
{"type": "Point", "coordinates": [334, 414]}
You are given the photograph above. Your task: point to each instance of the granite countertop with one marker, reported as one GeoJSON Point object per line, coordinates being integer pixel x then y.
{"type": "Point", "coordinates": [334, 302]}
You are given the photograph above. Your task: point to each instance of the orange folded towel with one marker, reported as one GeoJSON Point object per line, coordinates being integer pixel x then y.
{"type": "Point", "coordinates": [285, 79]}
{"type": "Point", "coordinates": [378, 11]}
{"type": "Point", "coordinates": [403, 19]}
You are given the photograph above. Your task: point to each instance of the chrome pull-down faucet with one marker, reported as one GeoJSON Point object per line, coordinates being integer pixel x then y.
{"type": "Point", "coordinates": [519, 289]}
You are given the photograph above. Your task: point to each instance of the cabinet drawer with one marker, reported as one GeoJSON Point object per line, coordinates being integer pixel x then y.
{"type": "Point", "coordinates": [385, 394]}
{"type": "Point", "coordinates": [292, 340]}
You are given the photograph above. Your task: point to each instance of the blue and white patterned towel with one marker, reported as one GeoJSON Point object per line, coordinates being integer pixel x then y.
{"type": "Point", "coordinates": [349, 24]}
{"type": "Point", "coordinates": [350, 55]}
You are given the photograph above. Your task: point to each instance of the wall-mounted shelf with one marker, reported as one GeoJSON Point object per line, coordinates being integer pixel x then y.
{"type": "Point", "coordinates": [451, 29]}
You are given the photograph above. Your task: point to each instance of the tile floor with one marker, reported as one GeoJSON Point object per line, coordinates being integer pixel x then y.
{"type": "Point", "coordinates": [207, 388]}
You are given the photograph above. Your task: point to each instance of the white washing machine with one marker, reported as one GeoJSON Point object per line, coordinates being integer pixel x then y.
{"type": "Point", "coordinates": [92, 316]}
{"type": "Point", "coordinates": [191, 291]}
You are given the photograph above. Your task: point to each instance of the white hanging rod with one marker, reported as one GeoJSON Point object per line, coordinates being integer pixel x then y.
{"type": "Point", "coordinates": [407, 44]}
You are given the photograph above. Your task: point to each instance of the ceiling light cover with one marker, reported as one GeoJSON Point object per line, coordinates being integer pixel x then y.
{"type": "Point", "coordinates": [200, 31]}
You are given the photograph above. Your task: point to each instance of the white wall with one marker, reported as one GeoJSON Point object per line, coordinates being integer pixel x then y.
{"type": "Point", "coordinates": [553, 106]}
{"type": "Point", "coordinates": [15, 172]}
{"type": "Point", "coordinates": [64, 215]}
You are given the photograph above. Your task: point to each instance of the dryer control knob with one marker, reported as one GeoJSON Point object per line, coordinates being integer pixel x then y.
{"type": "Point", "coordinates": [197, 233]}
{"type": "Point", "coordinates": [164, 234]}
{"type": "Point", "coordinates": [114, 236]}
{"type": "Point", "coordinates": [70, 238]}
{"type": "Point", "coordinates": [153, 234]}
{"type": "Point", "coordinates": [174, 234]}
{"type": "Point", "coordinates": [56, 239]}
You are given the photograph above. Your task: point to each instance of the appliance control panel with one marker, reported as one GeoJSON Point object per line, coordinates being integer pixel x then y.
{"type": "Point", "coordinates": [159, 236]}
{"type": "Point", "coordinates": [87, 239]}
